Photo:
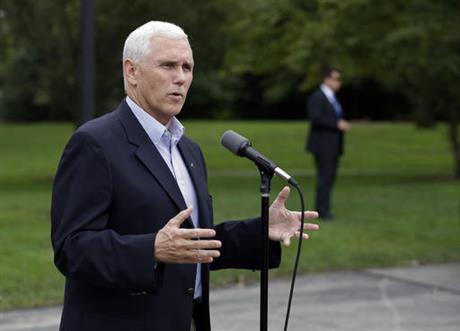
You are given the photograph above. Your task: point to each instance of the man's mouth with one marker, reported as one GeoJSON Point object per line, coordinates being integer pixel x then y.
{"type": "Point", "coordinates": [176, 94]}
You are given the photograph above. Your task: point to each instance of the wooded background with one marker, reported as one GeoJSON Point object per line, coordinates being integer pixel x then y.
{"type": "Point", "coordinates": [254, 59]}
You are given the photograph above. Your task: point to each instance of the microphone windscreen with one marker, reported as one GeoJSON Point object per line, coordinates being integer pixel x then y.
{"type": "Point", "coordinates": [234, 142]}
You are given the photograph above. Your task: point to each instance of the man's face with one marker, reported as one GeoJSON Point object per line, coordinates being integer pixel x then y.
{"type": "Point", "coordinates": [334, 80]}
{"type": "Point", "coordinates": [160, 82]}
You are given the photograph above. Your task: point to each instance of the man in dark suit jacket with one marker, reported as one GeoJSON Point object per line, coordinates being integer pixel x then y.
{"type": "Point", "coordinates": [325, 140]}
{"type": "Point", "coordinates": [132, 220]}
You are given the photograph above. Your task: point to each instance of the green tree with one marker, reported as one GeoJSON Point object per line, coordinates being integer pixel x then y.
{"type": "Point", "coordinates": [417, 51]}
{"type": "Point", "coordinates": [40, 64]}
{"type": "Point", "coordinates": [39, 76]}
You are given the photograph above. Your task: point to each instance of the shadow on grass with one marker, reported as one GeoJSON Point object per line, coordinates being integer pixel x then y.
{"type": "Point", "coordinates": [392, 179]}
{"type": "Point", "coordinates": [46, 182]}
{"type": "Point", "coordinates": [26, 183]}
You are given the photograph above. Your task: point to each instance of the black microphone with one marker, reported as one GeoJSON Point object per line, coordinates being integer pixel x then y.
{"type": "Point", "coordinates": [241, 146]}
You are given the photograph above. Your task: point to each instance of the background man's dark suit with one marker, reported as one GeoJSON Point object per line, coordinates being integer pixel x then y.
{"type": "Point", "coordinates": [112, 193]}
{"type": "Point", "coordinates": [325, 142]}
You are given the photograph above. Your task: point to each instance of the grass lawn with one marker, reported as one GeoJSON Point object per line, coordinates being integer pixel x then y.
{"type": "Point", "coordinates": [395, 201]}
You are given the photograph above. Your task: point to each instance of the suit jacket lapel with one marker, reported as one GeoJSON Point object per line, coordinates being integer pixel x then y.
{"type": "Point", "coordinates": [148, 154]}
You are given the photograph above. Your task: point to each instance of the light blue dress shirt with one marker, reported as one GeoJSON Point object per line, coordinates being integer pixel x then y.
{"type": "Point", "coordinates": [165, 140]}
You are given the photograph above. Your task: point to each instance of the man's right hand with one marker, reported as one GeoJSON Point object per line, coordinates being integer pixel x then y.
{"type": "Point", "coordinates": [343, 125]}
{"type": "Point", "coordinates": [176, 245]}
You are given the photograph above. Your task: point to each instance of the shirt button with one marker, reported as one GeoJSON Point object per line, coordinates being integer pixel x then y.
{"type": "Point", "coordinates": [189, 291]}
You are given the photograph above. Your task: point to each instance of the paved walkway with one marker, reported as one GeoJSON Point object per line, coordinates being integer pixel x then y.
{"type": "Point", "coordinates": [423, 298]}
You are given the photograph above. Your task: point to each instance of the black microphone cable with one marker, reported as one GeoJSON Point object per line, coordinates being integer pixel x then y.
{"type": "Point", "coordinates": [299, 249]}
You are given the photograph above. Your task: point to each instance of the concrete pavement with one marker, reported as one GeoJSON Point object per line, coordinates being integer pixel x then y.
{"type": "Point", "coordinates": [424, 298]}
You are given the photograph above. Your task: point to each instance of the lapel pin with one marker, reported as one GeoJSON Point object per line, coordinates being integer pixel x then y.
{"type": "Point", "coordinates": [192, 165]}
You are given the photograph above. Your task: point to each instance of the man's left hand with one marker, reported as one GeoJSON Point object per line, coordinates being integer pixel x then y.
{"type": "Point", "coordinates": [284, 224]}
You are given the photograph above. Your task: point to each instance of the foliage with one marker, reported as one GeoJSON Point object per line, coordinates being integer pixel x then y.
{"type": "Point", "coordinates": [41, 59]}
{"type": "Point", "coordinates": [404, 44]}
{"type": "Point", "coordinates": [418, 46]}
{"type": "Point", "coordinates": [395, 203]}
{"type": "Point", "coordinates": [254, 59]}
{"type": "Point", "coordinates": [40, 68]}
{"type": "Point", "coordinates": [412, 46]}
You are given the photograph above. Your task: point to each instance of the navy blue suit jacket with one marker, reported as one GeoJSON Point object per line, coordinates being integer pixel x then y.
{"type": "Point", "coordinates": [112, 193]}
{"type": "Point", "coordinates": [324, 136]}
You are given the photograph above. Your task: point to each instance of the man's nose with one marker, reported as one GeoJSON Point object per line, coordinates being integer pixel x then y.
{"type": "Point", "coordinates": [179, 76]}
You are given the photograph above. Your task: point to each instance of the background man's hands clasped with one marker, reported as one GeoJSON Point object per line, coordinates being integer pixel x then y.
{"type": "Point", "coordinates": [176, 245]}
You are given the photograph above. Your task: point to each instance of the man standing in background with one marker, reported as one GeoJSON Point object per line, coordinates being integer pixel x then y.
{"type": "Point", "coordinates": [325, 140]}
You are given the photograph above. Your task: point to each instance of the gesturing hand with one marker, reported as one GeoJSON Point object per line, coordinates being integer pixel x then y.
{"type": "Point", "coordinates": [176, 245]}
{"type": "Point", "coordinates": [284, 224]}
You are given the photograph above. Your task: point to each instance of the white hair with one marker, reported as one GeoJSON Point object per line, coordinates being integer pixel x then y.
{"type": "Point", "coordinates": [138, 42]}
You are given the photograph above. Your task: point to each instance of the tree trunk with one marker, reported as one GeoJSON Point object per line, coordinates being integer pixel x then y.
{"type": "Point", "coordinates": [454, 140]}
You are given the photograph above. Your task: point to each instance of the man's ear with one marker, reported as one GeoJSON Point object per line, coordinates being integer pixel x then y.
{"type": "Point", "coordinates": [130, 70]}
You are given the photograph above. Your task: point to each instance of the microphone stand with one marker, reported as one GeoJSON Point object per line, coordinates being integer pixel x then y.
{"type": "Point", "coordinates": [265, 178]}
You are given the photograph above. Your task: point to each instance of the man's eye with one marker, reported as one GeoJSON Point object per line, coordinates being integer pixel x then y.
{"type": "Point", "coordinates": [169, 65]}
